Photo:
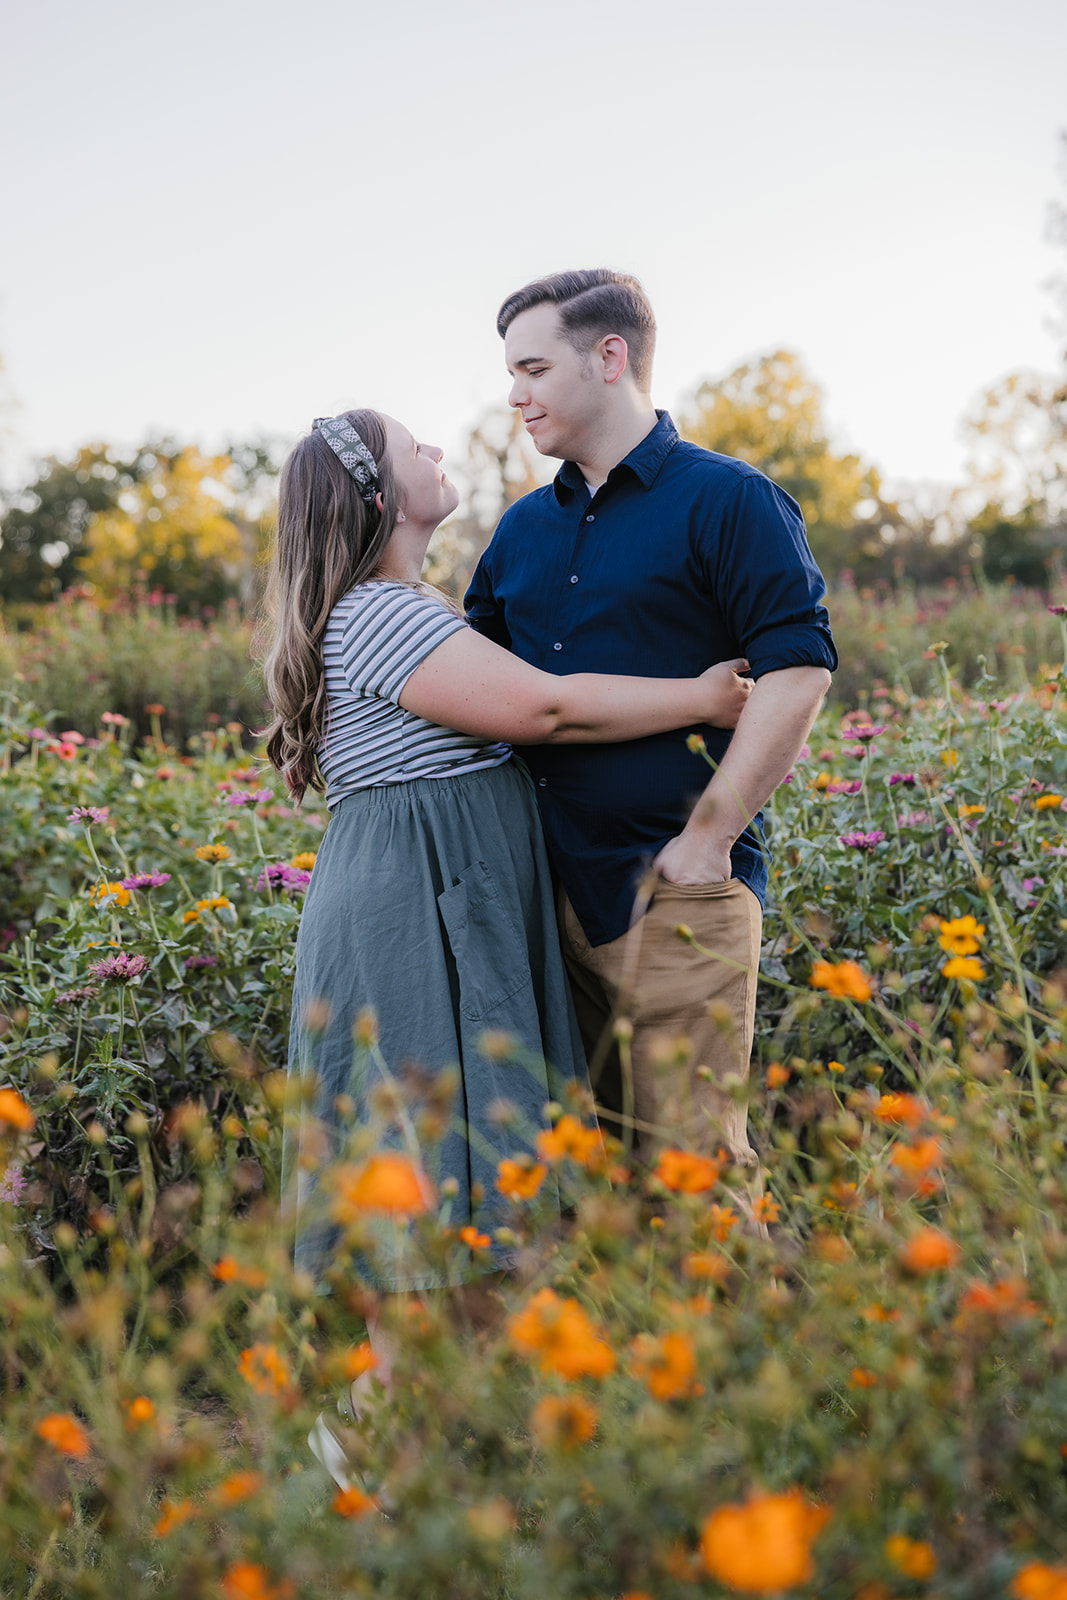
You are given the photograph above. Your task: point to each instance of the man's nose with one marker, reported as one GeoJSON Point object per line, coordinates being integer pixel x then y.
{"type": "Point", "coordinates": [517, 395]}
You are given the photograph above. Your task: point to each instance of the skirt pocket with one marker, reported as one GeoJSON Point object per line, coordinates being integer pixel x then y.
{"type": "Point", "coordinates": [491, 960]}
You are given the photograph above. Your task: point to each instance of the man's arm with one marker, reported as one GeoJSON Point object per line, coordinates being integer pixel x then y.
{"type": "Point", "coordinates": [772, 729]}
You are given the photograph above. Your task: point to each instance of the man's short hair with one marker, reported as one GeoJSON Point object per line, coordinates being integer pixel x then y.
{"type": "Point", "coordinates": [591, 304]}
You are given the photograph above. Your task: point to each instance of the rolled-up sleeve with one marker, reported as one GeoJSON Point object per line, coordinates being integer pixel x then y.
{"type": "Point", "coordinates": [767, 583]}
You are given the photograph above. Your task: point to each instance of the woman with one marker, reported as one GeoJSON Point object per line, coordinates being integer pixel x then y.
{"type": "Point", "coordinates": [431, 902]}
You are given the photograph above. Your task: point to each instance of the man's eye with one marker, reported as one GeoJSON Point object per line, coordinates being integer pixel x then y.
{"type": "Point", "coordinates": [534, 372]}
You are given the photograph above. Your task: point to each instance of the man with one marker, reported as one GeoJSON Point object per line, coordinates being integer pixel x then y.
{"type": "Point", "coordinates": [649, 555]}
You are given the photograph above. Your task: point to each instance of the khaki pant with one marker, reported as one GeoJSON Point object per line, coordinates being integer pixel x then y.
{"type": "Point", "coordinates": [689, 1008]}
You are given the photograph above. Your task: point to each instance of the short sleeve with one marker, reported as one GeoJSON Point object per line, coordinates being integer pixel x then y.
{"type": "Point", "coordinates": [390, 632]}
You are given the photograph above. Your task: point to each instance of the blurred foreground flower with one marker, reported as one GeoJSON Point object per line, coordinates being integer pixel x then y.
{"type": "Point", "coordinates": [913, 1557]}
{"type": "Point", "coordinates": [1037, 1581]}
{"type": "Point", "coordinates": [563, 1422]}
{"type": "Point", "coordinates": [388, 1182]}
{"type": "Point", "coordinates": [929, 1250]}
{"type": "Point", "coordinates": [568, 1139]}
{"type": "Point", "coordinates": [845, 980]}
{"type": "Point", "coordinates": [14, 1112]}
{"type": "Point", "coordinates": [765, 1545]}
{"type": "Point", "coordinates": [65, 1434]}
{"type": "Point", "coordinates": [665, 1365]}
{"type": "Point", "coordinates": [686, 1172]}
{"type": "Point", "coordinates": [520, 1180]}
{"type": "Point", "coordinates": [561, 1335]}
{"type": "Point", "coordinates": [264, 1369]}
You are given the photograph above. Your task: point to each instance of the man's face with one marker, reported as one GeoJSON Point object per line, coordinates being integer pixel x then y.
{"type": "Point", "coordinates": [554, 386]}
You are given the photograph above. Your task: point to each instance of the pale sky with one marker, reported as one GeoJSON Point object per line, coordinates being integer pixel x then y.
{"type": "Point", "coordinates": [223, 218]}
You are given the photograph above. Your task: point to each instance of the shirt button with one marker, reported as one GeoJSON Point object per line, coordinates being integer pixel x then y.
{"type": "Point", "coordinates": [557, 647]}
{"type": "Point", "coordinates": [574, 577]}
{"type": "Point", "coordinates": [542, 783]}
{"type": "Point", "coordinates": [590, 517]}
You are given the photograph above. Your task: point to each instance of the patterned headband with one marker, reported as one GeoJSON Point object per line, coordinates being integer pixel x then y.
{"type": "Point", "coordinates": [352, 453]}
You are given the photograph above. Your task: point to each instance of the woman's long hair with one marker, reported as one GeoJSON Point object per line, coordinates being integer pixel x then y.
{"type": "Point", "coordinates": [328, 540]}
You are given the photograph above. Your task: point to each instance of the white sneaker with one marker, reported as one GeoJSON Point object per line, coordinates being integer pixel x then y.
{"type": "Point", "coordinates": [328, 1452]}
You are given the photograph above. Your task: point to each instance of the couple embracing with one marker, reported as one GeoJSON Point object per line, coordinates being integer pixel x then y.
{"type": "Point", "coordinates": [653, 596]}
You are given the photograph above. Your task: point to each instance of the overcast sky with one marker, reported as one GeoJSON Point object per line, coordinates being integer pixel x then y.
{"type": "Point", "coordinates": [221, 218]}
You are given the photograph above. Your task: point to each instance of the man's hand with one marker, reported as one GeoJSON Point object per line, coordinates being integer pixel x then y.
{"type": "Point", "coordinates": [694, 857]}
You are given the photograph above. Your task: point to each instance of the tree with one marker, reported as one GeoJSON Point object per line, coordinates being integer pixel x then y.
{"type": "Point", "coordinates": [500, 466]}
{"type": "Point", "coordinates": [769, 413]}
{"type": "Point", "coordinates": [173, 531]}
{"type": "Point", "coordinates": [42, 530]}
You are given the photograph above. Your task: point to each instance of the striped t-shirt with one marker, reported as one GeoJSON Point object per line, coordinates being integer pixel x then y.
{"type": "Point", "coordinates": [378, 633]}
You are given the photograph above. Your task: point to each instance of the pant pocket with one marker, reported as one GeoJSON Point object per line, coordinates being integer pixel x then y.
{"type": "Point", "coordinates": [694, 891]}
{"type": "Point", "coordinates": [492, 962]}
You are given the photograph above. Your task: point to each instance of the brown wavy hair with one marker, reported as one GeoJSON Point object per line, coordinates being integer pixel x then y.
{"type": "Point", "coordinates": [328, 540]}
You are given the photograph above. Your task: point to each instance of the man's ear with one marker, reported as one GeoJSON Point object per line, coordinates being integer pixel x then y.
{"type": "Point", "coordinates": [614, 356]}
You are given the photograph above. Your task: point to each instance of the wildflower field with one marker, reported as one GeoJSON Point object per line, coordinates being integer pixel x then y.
{"type": "Point", "coordinates": [856, 1388]}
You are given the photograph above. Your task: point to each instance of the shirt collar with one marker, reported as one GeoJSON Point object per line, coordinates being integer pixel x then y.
{"type": "Point", "coordinates": [644, 460]}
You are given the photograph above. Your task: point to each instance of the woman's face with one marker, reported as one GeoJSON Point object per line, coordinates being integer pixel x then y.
{"type": "Point", "coordinates": [426, 495]}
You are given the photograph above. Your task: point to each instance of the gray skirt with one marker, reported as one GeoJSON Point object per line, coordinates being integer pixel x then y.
{"type": "Point", "coordinates": [430, 905]}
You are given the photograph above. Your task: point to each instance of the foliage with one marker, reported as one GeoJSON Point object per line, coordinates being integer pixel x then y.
{"type": "Point", "coordinates": [855, 1384]}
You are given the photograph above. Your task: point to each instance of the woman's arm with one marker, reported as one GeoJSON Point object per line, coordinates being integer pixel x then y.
{"type": "Point", "coordinates": [471, 684]}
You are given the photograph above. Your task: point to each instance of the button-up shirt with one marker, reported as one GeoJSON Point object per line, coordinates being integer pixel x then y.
{"type": "Point", "coordinates": [680, 559]}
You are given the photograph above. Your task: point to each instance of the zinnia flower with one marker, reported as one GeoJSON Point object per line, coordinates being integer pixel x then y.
{"type": "Point", "coordinates": [844, 786]}
{"type": "Point", "coordinates": [1048, 802]}
{"type": "Point", "coordinates": [280, 875]}
{"type": "Point", "coordinates": [765, 1545]}
{"type": "Point", "coordinates": [174, 1514]}
{"type": "Point", "coordinates": [248, 797]}
{"type": "Point", "coordinates": [304, 860]}
{"type": "Point", "coordinates": [213, 852]}
{"type": "Point", "coordinates": [88, 814]}
{"type": "Point", "coordinates": [961, 936]}
{"type": "Point", "coordinates": [863, 841]}
{"type": "Point", "coordinates": [353, 1503]}
{"type": "Point", "coordinates": [109, 894]}
{"type": "Point", "coordinates": [908, 779]}
{"type": "Point", "coordinates": [12, 1185]}
{"type": "Point", "coordinates": [146, 880]}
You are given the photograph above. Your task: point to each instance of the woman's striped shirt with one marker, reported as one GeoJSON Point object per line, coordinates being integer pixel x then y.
{"type": "Point", "coordinates": [378, 633]}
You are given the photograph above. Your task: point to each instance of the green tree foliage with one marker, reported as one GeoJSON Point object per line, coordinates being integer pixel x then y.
{"type": "Point", "coordinates": [769, 413]}
{"type": "Point", "coordinates": [43, 529]}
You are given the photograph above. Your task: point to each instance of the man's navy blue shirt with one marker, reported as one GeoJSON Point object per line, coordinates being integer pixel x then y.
{"type": "Point", "coordinates": [681, 559]}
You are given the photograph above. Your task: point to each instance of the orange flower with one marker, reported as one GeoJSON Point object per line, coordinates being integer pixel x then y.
{"type": "Point", "coordinates": [777, 1075]}
{"type": "Point", "coordinates": [916, 1161]}
{"type": "Point", "coordinates": [1048, 802]}
{"type": "Point", "coordinates": [264, 1369]}
{"type": "Point", "coordinates": [666, 1366]}
{"type": "Point", "coordinates": [14, 1112]}
{"type": "Point", "coordinates": [766, 1209]}
{"type": "Point", "coordinates": [862, 1378]}
{"type": "Point", "coordinates": [562, 1336]}
{"type": "Point", "coordinates": [563, 1422]}
{"type": "Point", "coordinates": [520, 1180]}
{"type": "Point", "coordinates": [138, 1412]}
{"type": "Point", "coordinates": [686, 1172]}
{"type": "Point", "coordinates": [304, 860]}
{"type": "Point", "coordinates": [723, 1221]}
{"type": "Point", "coordinates": [353, 1503]}
{"type": "Point", "coordinates": [929, 1250]}
{"type": "Point", "coordinates": [213, 852]}
{"type": "Point", "coordinates": [229, 1270]}
{"type": "Point", "coordinates": [914, 1557]}
{"type": "Point", "coordinates": [964, 967]}
{"type": "Point", "coordinates": [173, 1514]}
{"type": "Point", "coordinates": [237, 1487]}
{"type": "Point", "coordinates": [961, 936]}
{"type": "Point", "coordinates": [706, 1264]}
{"type": "Point", "coordinates": [1036, 1581]}
{"type": "Point", "coordinates": [388, 1182]}
{"type": "Point", "coordinates": [473, 1239]}
{"type": "Point", "coordinates": [64, 1433]}
{"type": "Point", "coordinates": [903, 1109]}
{"type": "Point", "coordinates": [1006, 1297]}
{"type": "Point", "coordinates": [841, 1196]}
{"type": "Point", "coordinates": [245, 1580]}
{"type": "Point", "coordinates": [358, 1361]}
{"type": "Point", "coordinates": [109, 894]}
{"type": "Point", "coordinates": [569, 1140]}
{"type": "Point", "coordinates": [845, 981]}
{"type": "Point", "coordinates": [764, 1545]}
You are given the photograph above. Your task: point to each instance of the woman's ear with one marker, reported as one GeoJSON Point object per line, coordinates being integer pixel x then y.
{"type": "Point", "coordinates": [379, 501]}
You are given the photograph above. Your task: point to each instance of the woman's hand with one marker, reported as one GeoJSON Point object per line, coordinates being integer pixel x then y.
{"type": "Point", "coordinates": [727, 692]}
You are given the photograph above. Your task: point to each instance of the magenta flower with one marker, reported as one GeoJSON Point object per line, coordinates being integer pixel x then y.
{"type": "Point", "coordinates": [76, 997]}
{"type": "Point", "coordinates": [249, 797]}
{"type": "Point", "coordinates": [146, 880]}
{"type": "Point", "coordinates": [863, 841]}
{"type": "Point", "coordinates": [12, 1185]}
{"type": "Point", "coordinates": [1057, 611]}
{"type": "Point", "coordinates": [909, 779]}
{"type": "Point", "coordinates": [119, 969]}
{"type": "Point", "coordinates": [280, 875]}
{"type": "Point", "coordinates": [88, 814]}
{"type": "Point", "coordinates": [195, 963]}
{"type": "Point", "coordinates": [39, 734]}
{"type": "Point", "coordinates": [845, 786]}
{"type": "Point", "coordinates": [915, 819]}
{"type": "Point", "coordinates": [868, 731]}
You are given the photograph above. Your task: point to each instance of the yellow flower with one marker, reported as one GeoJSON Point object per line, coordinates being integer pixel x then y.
{"type": "Point", "coordinates": [964, 810]}
{"type": "Point", "coordinates": [765, 1545]}
{"type": "Point", "coordinates": [305, 860]}
{"type": "Point", "coordinates": [1046, 802]}
{"type": "Point", "coordinates": [950, 758]}
{"type": "Point", "coordinates": [963, 967]}
{"type": "Point", "coordinates": [961, 936]}
{"type": "Point", "coordinates": [109, 894]}
{"type": "Point", "coordinates": [914, 1557]}
{"type": "Point", "coordinates": [211, 902]}
{"type": "Point", "coordinates": [213, 852]}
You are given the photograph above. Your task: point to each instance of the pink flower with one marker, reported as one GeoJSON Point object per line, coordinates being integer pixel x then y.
{"type": "Point", "coordinates": [195, 963]}
{"type": "Point", "coordinates": [249, 797]}
{"type": "Point", "coordinates": [119, 969]}
{"type": "Point", "coordinates": [909, 779]}
{"type": "Point", "coordinates": [88, 814]}
{"type": "Point", "coordinates": [280, 875]}
{"type": "Point", "coordinates": [1057, 611]}
{"type": "Point", "coordinates": [146, 880]}
{"type": "Point", "coordinates": [868, 731]}
{"type": "Point", "coordinates": [76, 997]}
{"type": "Point", "coordinates": [12, 1185]}
{"type": "Point", "coordinates": [845, 786]}
{"type": "Point", "coordinates": [72, 736]}
{"type": "Point", "coordinates": [863, 841]}
{"type": "Point", "coordinates": [915, 819]}
{"type": "Point", "coordinates": [38, 734]}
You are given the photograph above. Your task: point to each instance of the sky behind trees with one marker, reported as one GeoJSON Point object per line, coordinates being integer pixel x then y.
{"type": "Point", "coordinates": [221, 219]}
